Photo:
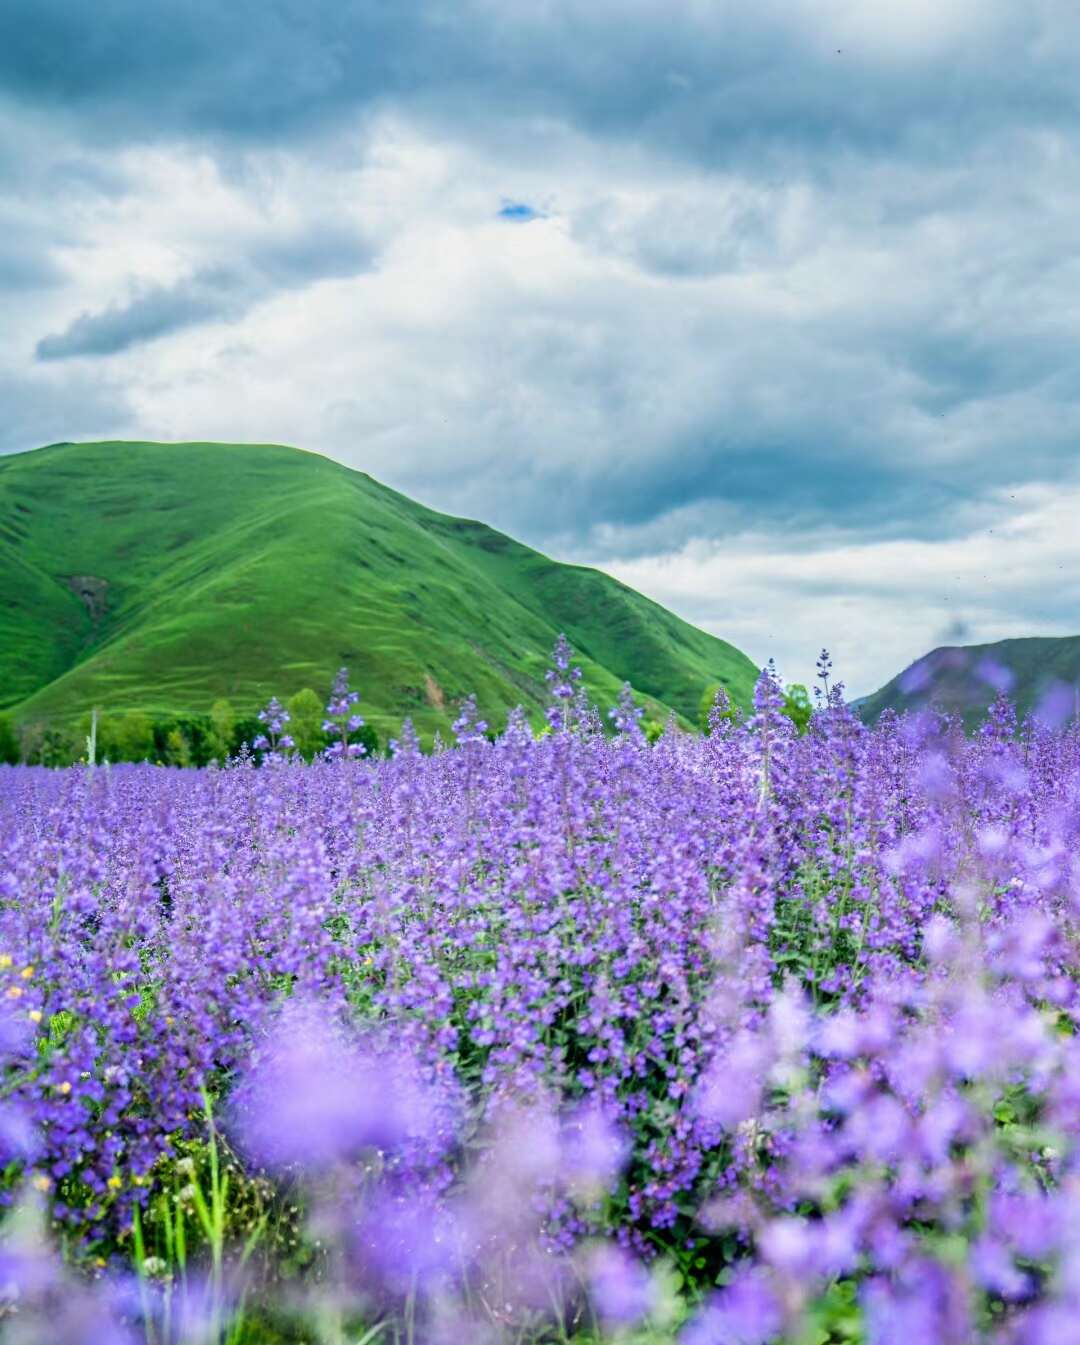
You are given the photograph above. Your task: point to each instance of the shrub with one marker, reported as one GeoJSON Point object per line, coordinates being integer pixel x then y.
{"type": "Point", "coordinates": [10, 751]}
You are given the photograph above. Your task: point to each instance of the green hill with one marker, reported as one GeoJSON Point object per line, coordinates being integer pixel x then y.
{"type": "Point", "coordinates": [964, 679]}
{"type": "Point", "coordinates": [159, 577]}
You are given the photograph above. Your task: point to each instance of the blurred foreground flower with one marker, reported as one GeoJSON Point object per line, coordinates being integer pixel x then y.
{"type": "Point", "coordinates": [314, 1096]}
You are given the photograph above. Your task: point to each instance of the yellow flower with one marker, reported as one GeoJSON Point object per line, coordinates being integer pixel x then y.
{"type": "Point", "coordinates": [34, 1015]}
{"type": "Point", "coordinates": [26, 973]}
{"type": "Point", "coordinates": [64, 1087]}
{"type": "Point", "coordinates": [115, 1183]}
{"type": "Point", "coordinates": [42, 1182]}
{"type": "Point", "coordinates": [14, 992]}
{"type": "Point", "coordinates": [5, 961]}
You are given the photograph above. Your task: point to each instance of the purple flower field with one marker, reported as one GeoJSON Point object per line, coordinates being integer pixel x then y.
{"type": "Point", "coordinates": [753, 1037]}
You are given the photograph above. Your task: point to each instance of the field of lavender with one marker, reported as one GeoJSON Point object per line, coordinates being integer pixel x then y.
{"type": "Point", "coordinates": [761, 1036]}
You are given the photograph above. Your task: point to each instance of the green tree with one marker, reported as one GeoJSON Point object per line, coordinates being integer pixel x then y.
{"type": "Point", "coordinates": [245, 733]}
{"type": "Point", "coordinates": [58, 748]}
{"type": "Point", "coordinates": [177, 748]}
{"type": "Point", "coordinates": [798, 706]}
{"type": "Point", "coordinates": [45, 745]}
{"type": "Point", "coordinates": [126, 737]}
{"type": "Point", "coordinates": [367, 735]}
{"type": "Point", "coordinates": [222, 729]}
{"type": "Point", "coordinates": [132, 737]}
{"type": "Point", "coordinates": [10, 752]}
{"type": "Point", "coordinates": [199, 733]}
{"type": "Point", "coordinates": [305, 723]}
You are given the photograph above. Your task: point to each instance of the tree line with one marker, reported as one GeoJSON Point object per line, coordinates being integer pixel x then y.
{"type": "Point", "coordinates": [172, 740]}
{"type": "Point", "coordinates": [199, 739]}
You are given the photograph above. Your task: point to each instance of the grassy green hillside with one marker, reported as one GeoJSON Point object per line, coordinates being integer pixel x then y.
{"type": "Point", "coordinates": [961, 678]}
{"type": "Point", "coordinates": [159, 577]}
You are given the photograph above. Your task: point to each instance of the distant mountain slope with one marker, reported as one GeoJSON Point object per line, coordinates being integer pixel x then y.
{"type": "Point", "coordinates": [964, 679]}
{"type": "Point", "coordinates": [161, 576]}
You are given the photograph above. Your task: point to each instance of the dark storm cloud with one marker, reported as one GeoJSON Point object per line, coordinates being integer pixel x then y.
{"type": "Point", "coordinates": [212, 294]}
{"type": "Point", "coordinates": [156, 313]}
{"type": "Point", "coordinates": [771, 149]}
{"type": "Point", "coordinates": [708, 484]}
{"type": "Point", "coordinates": [250, 70]}
{"type": "Point", "coordinates": [707, 81]}
{"type": "Point", "coordinates": [667, 415]}
{"type": "Point", "coordinates": [960, 367]}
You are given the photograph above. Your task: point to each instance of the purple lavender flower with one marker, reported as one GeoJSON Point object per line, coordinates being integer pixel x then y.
{"type": "Point", "coordinates": [1057, 704]}
{"type": "Point", "coordinates": [561, 678]}
{"type": "Point", "coordinates": [342, 722]}
{"type": "Point", "coordinates": [747, 1312]}
{"type": "Point", "coordinates": [995, 675]}
{"type": "Point", "coordinates": [621, 1291]}
{"type": "Point", "coordinates": [469, 728]}
{"type": "Point", "coordinates": [274, 743]}
{"type": "Point", "coordinates": [529, 1009]}
{"type": "Point", "coordinates": [313, 1097]}
{"type": "Point", "coordinates": [626, 716]}
{"type": "Point", "coordinates": [593, 1150]}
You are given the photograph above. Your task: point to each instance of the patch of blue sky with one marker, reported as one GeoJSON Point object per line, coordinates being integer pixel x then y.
{"type": "Point", "coordinates": [519, 212]}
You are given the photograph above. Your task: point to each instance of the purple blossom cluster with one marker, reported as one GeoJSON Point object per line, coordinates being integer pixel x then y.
{"type": "Point", "coordinates": [274, 742]}
{"type": "Point", "coordinates": [542, 1024]}
{"type": "Point", "coordinates": [342, 722]}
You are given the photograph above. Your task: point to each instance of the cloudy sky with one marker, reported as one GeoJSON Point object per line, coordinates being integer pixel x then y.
{"type": "Point", "coordinates": [772, 310]}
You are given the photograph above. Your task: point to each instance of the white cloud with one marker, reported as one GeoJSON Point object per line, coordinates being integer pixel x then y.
{"type": "Point", "coordinates": [897, 33]}
{"type": "Point", "coordinates": [879, 605]}
{"type": "Point", "coordinates": [787, 395]}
